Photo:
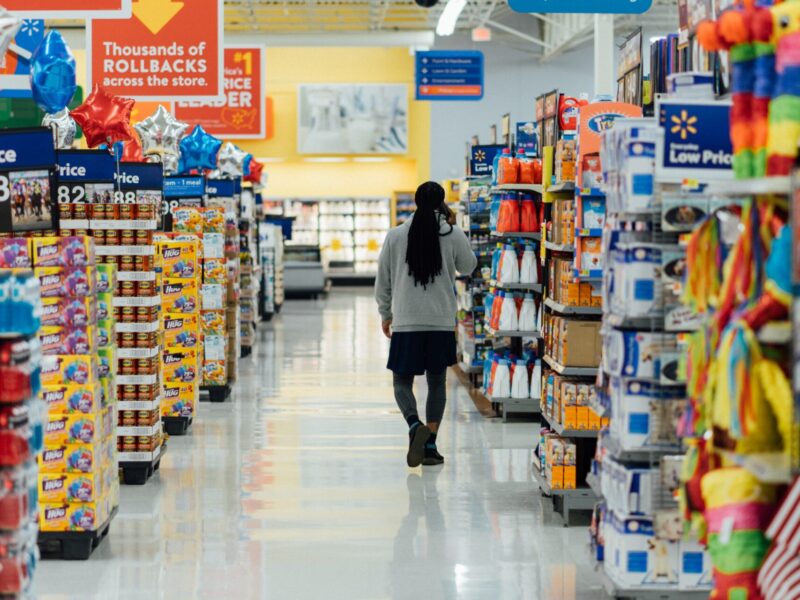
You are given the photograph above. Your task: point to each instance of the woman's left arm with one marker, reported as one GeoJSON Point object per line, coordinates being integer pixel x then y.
{"type": "Point", "coordinates": [466, 261]}
{"type": "Point", "coordinates": [383, 282]}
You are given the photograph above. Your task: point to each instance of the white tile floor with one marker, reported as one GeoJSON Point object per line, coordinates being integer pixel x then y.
{"type": "Point", "coordinates": [298, 489]}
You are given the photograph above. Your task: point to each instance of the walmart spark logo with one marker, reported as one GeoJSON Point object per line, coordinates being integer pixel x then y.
{"type": "Point", "coordinates": [480, 155]}
{"type": "Point", "coordinates": [684, 125]}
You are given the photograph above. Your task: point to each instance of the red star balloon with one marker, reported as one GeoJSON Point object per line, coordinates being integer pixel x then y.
{"type": "Point", "coordinates": [255, 171]}
{"type": "Point", "coordinates": [132, 151]}
{"type": "Point", "coordinates": [105, 119]}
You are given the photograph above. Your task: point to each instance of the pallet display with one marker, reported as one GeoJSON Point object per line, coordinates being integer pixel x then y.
{"type": "Point", "coordinates": [270, 248]}
{"type": "Point", "coordinates": [251, 272]}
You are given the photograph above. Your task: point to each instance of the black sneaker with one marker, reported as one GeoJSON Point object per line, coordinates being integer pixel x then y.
{"type": "Point", "coordinates": [432, 457]}
{"type": "Point", "coordinates": [416, 445]}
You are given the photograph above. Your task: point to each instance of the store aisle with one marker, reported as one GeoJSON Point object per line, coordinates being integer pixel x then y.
{"type": "Point", "coordinates": [299, 489]}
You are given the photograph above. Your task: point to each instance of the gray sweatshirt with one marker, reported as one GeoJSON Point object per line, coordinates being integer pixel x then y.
{"type": "Point", "coordinates": [412, 307]}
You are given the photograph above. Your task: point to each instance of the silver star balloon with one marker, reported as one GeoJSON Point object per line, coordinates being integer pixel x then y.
{"type": "Point", "coordinates": [161, 133]}
{"type": "Point", "coordinates": [170, 164]}
{"type": "Point", "coordinates": [9, 26]}
{"type": "Point", "coordinates": [63, 127]}
{"type": "Point", "coordinates": [231, 160]}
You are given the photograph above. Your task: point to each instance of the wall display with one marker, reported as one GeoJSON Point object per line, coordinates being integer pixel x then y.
{"type": "Point", "coordinates": [692, 145]}
{"type": "Point", "coordinates": [27, 164]}
{"type": "Point", "coordinates": [242, 114]}
{"type": "Point", "coordinates": [352, 119]}
{"type": "Point", "coordinates": [162, 52]}
{"type": "Point", "coordinates": [71, 9]}
{"type": "Point", "coordinates": [547, 117]}
{"type": "Point", "coordinates": [449, 75]}
{"type": "Point", "coordinates": [15, 67]}
{"type": "Point", "coordinates": [629, 70]}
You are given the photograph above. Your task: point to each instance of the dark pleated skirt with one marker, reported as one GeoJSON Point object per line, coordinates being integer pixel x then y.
{"type": "Point", "coordinates": [415, 352]}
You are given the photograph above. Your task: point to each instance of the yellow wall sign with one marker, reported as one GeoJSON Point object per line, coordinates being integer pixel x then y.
{"type": "Point", "coordinates": [372, 245]}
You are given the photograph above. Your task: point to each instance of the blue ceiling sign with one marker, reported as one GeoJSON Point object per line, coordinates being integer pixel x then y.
{"type": "Point", "coordinates": [615, 7]}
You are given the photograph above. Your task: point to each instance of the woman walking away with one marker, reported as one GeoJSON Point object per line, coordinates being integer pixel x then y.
{"type": "Point", "coordinates": [415, 290]}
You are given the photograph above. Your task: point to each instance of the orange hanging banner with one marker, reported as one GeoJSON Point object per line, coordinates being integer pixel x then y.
{"type": "Point", "coordinates": [167, 50]}
{"type": "Point", "coordinates": [242, 114]}
{"type": "Point", "coordinates": [70, 9]}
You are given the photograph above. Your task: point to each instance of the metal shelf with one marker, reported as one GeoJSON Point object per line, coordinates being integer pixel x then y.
{"type": "Point", "coordinates": [648, 323]}
{"type": "Point", "coordinates": [643, 455]}
{"type": "Point", "coordinates": [533, 287]}
{"type": "Point", "coordinates": [594, 484]}
{"type": "Point", "coordinates": [527, 235]}
{"type": "Point", "coordinates": [576, 371]}
{"type": "Point", "coordinates": [748, 187]}
{"type": "Point", "coordinates": [564, 186]}
{"type": "Point", "coordinates": [559, 247]}
{"type": "Point", "coordinates": [515, 334]}
{"type": "Point", "coordinates": [518, 187]}
{"type": "Point", "coordinates": [569, 433]}
{"type": "Point", "coordinates": [572, 310]}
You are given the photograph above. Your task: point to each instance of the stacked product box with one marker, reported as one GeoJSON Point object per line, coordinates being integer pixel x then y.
{"type": "Point", "coordinates": [78, 484]}
{"type": "Point", "coordinates": [233, 290]}
{"type": "Point", "coordinates": [179, 264]}
{"type": "Point", "coordinates": [558, 461]}
{"type": "Point", "coordinates": [123, 234]}
{"type": "Point", "coordinates": [21, 417]}
{"type": "Point", "coordinates": [250, 284]}
{"type": "Point", "coordinates": [209, 225]}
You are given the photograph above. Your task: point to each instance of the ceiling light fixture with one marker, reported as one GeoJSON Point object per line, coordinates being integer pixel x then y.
{"type": "Point", "coordinates": [371, 159]}
{"type": "Point", "coordinates": [326, 159]}
{"type": "Point", "coordinates": [449, 18]}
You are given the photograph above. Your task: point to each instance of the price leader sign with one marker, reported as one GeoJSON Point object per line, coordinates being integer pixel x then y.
{"type": "Point", "coordinates": [70, 9]}
{"type": "Point", "coordinates": [242, 113]}
{"type": "Point", "coordinates": [27, 165]}
{"type": "Point", "coordinates": [167, 50]}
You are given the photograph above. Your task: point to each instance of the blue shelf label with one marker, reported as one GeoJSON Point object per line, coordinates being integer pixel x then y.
{"type": "Point", "coordinates": [693, 146]}
{"type": "Point", "coordinates": [140, 176]}
{"type": "Point", "coordinates": [614, 7]}
{"type": "Point", "coordinates": [190, 186]}
{"type": "Point", "coordinates": [86, 166]}
{"type": "Point", "coordinates": [221, 188]}
{"type": "Point", "coordinates": [449, 75]}
{"type": "Point", "coordinates": [481, 158]}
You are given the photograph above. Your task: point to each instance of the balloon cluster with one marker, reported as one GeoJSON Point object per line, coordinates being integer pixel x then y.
{"type": "Point", "coordinates": [106, 119]}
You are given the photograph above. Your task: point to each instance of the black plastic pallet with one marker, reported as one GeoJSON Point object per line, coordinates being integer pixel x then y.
{"type": "Point", "coordinates": [72, 545]}
{"type": "Point", "coordinates": [137, 473]}
{"type": "Point", "coordinates": [176, 425]}
{"type": "Point", "coordinates": [217, 393]}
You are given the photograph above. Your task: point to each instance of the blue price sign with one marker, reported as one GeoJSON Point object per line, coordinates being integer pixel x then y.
{"type": "Point", "coordinates": [616, 7]}
{"type": "Point", "coordinates": [527, 138]}
{"type": "Point", "coordinates": [449, 75]}
{"type": "Point", "coordinates": [15, 66]}
{"type": "Point", "coordinates": [482, 158]}
{"type": "Point", "coordinates": [693, 146]}
{"type": "Point", "coordinates": [27, 163]}
{"type": "Point", "coordinates": [221, 188]}
{"type": "Point", "coordinates": [190, 186]}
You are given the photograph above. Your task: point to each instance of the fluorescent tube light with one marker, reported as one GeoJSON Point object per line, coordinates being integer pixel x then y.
{"type": "Point", "coordinates": [449, 18]}
{"type": "Point", "coordinates": [371, 159]}
{"type": "Point", "coordinates": [325, 159]}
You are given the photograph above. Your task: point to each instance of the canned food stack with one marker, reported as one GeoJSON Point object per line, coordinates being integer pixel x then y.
{"type": "Point", "coordinates": [179, 263]}
{"type": "Point", "coordinates": [214, 298]}
{"type": "Point", "coordinates": [21, 419]}
{"type": "Point", "coordinates": [78, 483]}
{"type": "Point", "coordinates": [123, 236]}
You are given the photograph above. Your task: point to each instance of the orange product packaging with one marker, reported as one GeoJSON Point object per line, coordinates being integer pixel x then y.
{"type": "Point", "coordinates": [507, 169]}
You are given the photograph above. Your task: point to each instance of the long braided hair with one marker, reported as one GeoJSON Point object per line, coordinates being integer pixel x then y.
{"type": "Point", "coordinates": [424, 255]}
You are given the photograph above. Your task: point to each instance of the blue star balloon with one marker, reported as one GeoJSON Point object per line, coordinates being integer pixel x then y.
{"type": "Point", "coordinates": [199, 150]}
{"type": "Point", "coordinates": [247, 160]}
{"type": "Point", "coordinates": [53, 74]}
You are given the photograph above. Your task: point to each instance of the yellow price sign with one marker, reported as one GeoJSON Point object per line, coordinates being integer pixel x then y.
{"type": "Point", "coordinates": [336, 244]}
{"type": "Point", "coordinates": [372, 245]}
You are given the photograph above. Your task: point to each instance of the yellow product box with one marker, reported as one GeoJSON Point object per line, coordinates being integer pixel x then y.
{"type": "Point", "coordinates": [107, 362]}
{"type": "Point", "coordinates": [179, 260]}
{"type": "Point", "coordinates": [88, 516]}
{"type": "Point", "coordinates": [179, 366]}
{"type": "Point", "coordinates": [72, 398]}
{"type": "Point", "coordinates": [76, 428]}
{"type": "Point", "coordinates": [180, 295]}
{"type": "Point", "coordinates": [213, 322]}
{"type": "Point", "coordinates": [557, 477]}
{"type": "Point", "coordinates": [72, 458]}
{"type": "Point", "coordinates": [214, 372]}
{"type": "Point", "coordinates": [106, 277]}
{"type": "Point", "coordinates": [594, 419]}
{"type": "Point", "coordinates": [215, 271]}
{"type": "Point", "coordinates": [60, 312]}
{"type": "Point", "coordinates": [68, 339]}
{"type": "Point", "coordinates": [570, 478]}
{"type": "Point", "coordinates": [187, 219]}
{"type": "Point", "coordinates": [181, 330]}
{"type": "Point", "coordinates": [582, 419]}
{"type": "Point", "coordinates": [214, 219]}
{"type": "Point", "coordinates": [58, 369]}
{"type": "Point", "coordinates": [109, 421]}
{"type": "Point", "coordinates": [583, 394]}
{"type": "Point", "coordinates": [109, 389]}
{"type": "Point", "coordinates": [66, 282]}
{"type": "Point", "coordinates": [570, 469]}
{"type": "Point", "coordinates": [585, 294]}
{"type": "Point", "coordinates": [67, 251]}
{"type": "Point", "coordinates": [604, 422]}
{"type": "Point", "coordinates": [105, 306]}
{"type": "Point", "coordinates": [71, 487]}
{"type": "Point", "coordinates": [178, 399]}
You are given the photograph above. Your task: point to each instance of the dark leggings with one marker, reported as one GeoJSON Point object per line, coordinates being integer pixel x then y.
{"type": "Point", "coordinates": [437, 395]}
